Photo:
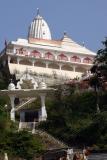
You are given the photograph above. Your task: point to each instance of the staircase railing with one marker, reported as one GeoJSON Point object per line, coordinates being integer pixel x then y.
{"type": "Point", "coordinates": [25, 103]}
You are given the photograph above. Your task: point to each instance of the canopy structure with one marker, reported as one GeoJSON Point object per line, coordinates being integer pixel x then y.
{"type": "Point", "coordinates": [41, 91]}
{"type": "Point", "coordinates": [23, 93]}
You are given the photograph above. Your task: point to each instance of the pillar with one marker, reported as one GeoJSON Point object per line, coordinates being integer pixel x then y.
{"type": "Point", "coordinates": [12, 112]}
{"type": "Point", "coordinates": [69, 59]}
{"type": "Point", "coordinates": [18, 60]}
{"type": "Point", "coordinates": [22, 119]}
{"type": "Point", "coordinates": [55, 57]}
{"type": "Point", "coordinates": [74, 67]}
{"type": "Point", "coordinates": [82, 59]}
{"type": "Point", "coordinates": [43, 113]}
{"type": "Point", "coordinates": [33, 62]}
{"type": "Point", "coordinates": [47, 64]}
{"type": "Point", "coordinates": [42, 55]}
{"type": "Point", "coordinates": [60, 66]}
{"type": "Point", "coordinates": [9, 58]}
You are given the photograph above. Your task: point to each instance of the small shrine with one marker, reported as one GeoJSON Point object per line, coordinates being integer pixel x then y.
{"type": "Point", "coordinates": [27, 90]}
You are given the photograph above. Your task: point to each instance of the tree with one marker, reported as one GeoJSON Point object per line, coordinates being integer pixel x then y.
{"type": "Point", "coordinates": [100, 63]}
{"type": "Point", "coordinates": [21, 144]}
{"type": "Point", "coordinates": [99, 71]}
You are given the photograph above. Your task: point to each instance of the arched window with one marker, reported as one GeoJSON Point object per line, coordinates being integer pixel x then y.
{"type": "Point", "coordinates": [75, 59]}
{"type": "Point", "coordinates": [49, 55]}
{"type": "Point", "coordinates": [35, 54]}
{"type": "Point", "coordinates": [87, 60]}
{"type": "Point", "coordinates": [22, 51]}
{"type": "Point", "coordinates": [62, 57]}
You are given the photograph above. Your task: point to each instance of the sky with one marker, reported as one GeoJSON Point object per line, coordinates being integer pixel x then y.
{"type": "Point", "coordinates": [83, 20]}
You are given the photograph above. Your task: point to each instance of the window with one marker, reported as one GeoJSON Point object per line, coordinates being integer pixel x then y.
{"type": "Point", "coordinates": [87, 60]}
{"type": "Point", "coordinates": [49, 55]}
{"type": "Point", "coordinates": [75, 59]}
{"type": "Point", "coordinates": [62, 57]}
{"type": "Point", "coordinates": [36, 54]}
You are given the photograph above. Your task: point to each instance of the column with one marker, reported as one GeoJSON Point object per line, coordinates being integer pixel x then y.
{"type": "Point", "coordinates": [33, 62]}
{"type": "Point", "coordinates": [47, 64]}
{"type": "Point", "coordinates": [82, 58]}
{"type": "Point", "coordinates": [60, 66]}
{"type": "Point", "coordinates": [42, 54]}
{"type": "Point", "coordinates": [18, 60]}
{"type": "Point", "coordinates": [69, 58]}
{"type": "Point", "coordinates": [22, 119]}
{"type": "Point", "coordinates": [74, 67]}
{"type": "Point", "coordinates": [9, 58]}
{"type": "Point", "coordinates": [12, 113]}
{"type": "Point", "coordinates": [43, 113]}
{"type": "Point", "coordinates": [55, 57]}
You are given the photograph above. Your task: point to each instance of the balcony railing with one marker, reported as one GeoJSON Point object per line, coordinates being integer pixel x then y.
{"type": "Point", "coordinates": [24, 53]}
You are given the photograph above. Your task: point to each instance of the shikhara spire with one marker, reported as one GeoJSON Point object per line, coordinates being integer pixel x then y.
{"type": "Point", "coordinates": [39, 28]}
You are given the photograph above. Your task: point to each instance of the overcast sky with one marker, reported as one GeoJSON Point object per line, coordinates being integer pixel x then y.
{"type": "Point", "coordinates": [83, 20]}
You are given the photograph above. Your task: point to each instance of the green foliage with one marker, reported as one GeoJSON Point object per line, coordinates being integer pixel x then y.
{"type": "Point", "coordinates": [3, 81]}
{"type": "Point", "coordinates": [21, 144]}
{"type": "Point", "coordinates": [73, 119]}
{"type": "Point", "coordinates": [24, 144]}
{"type": "Point", "coordinates": [100, 66]}
{"type": "Point", "coordinates": [4, 117]}
{"type": "Point", "coordinates": [96, 132]}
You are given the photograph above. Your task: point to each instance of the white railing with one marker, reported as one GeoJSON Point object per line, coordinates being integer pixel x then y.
{"type": "Point", "coordinates": [25, 103]}
{"type": "Point", "coordinates": [25, 53]}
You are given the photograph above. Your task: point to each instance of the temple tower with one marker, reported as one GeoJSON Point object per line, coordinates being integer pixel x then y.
{"type": "Point", "coordinates": [39, 28]}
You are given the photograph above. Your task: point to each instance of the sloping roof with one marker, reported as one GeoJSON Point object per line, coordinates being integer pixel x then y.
{"type": "Point", "coordinates": [66, 44]}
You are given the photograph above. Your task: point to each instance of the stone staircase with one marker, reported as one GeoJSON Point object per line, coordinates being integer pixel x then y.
{"type": "Point", "coordinates": [98, 156]}
{"type": "Point", "coordinates": [49, 138]}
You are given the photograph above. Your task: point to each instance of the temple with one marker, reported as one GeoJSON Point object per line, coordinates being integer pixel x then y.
{"type": "Point", "coordinates": [42, 57]}
{"type": "Point", "coordinates": [36, 64]}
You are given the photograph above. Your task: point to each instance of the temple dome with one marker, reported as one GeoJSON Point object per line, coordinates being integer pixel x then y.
{"type": "Point", "coordinates": [42, 85]}
{"type": "Point", "coordinates": [11, 86]}
{"type": "Point", "coordinates": [39, 28]}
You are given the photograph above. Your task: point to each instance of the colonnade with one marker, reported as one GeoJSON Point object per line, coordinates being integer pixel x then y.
{"type": "Point", "coordinates": [48, 64]}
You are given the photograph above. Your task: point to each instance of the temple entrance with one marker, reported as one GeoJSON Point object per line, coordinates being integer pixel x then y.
{"type": "Point", "coordinates": [31, 115]}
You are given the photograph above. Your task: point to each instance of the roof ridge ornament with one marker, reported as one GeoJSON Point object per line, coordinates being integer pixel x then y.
{"type": "Point", "coordinates": [65, 33]}
{"type": "Point", "coordinates": [38, 11]}
{"type": "Point", "coordinates": [83, 44]}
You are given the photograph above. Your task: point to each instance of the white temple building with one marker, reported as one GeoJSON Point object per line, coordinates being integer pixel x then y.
{"type": "Point", "coordinates": [42, 56]}
{"type": "Point", "coordinates": [38, 60]}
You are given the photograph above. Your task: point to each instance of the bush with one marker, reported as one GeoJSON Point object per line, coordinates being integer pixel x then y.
{"type": "Point", "coordinates": [21, 144]}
